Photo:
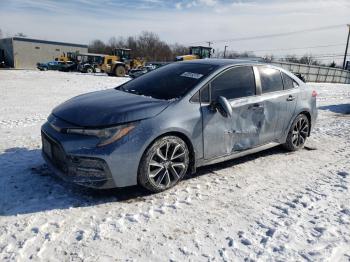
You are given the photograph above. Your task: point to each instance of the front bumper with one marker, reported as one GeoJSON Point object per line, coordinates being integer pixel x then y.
{"type": "Point", "coordinates": [83, 170]}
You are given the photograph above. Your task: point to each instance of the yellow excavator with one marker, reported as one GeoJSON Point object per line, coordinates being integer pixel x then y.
{"type": "Point", "coordinates": [196, 52]}
{"type": "Point", "coordinates": [120, 62]}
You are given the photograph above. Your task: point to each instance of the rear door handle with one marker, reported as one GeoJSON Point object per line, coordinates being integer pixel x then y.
{"type": "Point", "coordinates": [291, 98]}
{"type": "Point", "coordinates": [256, 106]}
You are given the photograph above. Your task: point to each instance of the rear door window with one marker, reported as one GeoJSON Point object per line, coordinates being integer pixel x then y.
{"type": "Point", "coordinates": [271, 80]}
{"type": "Point", "coordinates": [234, 83]}
{"type": "Point", "coordinates": [288, 82]}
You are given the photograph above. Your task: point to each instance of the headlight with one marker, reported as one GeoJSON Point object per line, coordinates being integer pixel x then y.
{"type": "Point", "coordinates": [107, 135]}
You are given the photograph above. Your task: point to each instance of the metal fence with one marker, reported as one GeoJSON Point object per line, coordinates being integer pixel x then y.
{"type": "Point", "coordinates": [313, 73]}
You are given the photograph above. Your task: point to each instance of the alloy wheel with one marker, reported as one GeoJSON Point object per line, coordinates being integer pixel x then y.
{"type": "Point", "coordinates": [167, 164]}
{"type": "Point", "coordinates": [300, 132]}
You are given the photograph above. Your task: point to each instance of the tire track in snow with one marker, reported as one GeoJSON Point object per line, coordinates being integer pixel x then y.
{"type": "Point", "coordinates": [309, 205]}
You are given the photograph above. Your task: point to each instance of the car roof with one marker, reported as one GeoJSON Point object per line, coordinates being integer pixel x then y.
{"type": "Point", "coordinates": [225, 62]}
{"type": "Point", "coordinates": [222, 63]}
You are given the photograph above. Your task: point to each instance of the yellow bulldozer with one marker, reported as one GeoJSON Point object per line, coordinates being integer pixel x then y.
{"type": "Point", "coordinates": [120, 62]}
{"type": "Point", "coordinates": [196, 52]}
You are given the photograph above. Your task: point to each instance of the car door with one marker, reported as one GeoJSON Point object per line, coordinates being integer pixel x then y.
{"type": "Point", "coordinates": [226, 135]}
{"type": "Point", "coordinates": [278, 104]}
{"type": "Point", "coordinates": [291, 90]}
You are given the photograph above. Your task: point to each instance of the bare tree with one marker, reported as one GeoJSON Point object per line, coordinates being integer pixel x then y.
{"type": "Point", "coordinates": [178, 49]}
{"type": "Point", "coordinates": [268, 58]}
{"type": "Point", "coordinates": [20, 34]}
{"type": "Point", "coordinates": [235, 54]}
{"type": "Point", "coordinates": [305, 59]}
{"type": "Point", "coordinates": [147, 45]}
{"type": "Point", "coordinates": [97, 46]}
{"type": "Point", "coordinates": [332, 64]}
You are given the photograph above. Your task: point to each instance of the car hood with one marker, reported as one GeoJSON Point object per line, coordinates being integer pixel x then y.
{"type": "Point", "coordinates": [108, 107]}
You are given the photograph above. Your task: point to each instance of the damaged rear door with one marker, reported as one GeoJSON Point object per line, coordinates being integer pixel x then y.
{"type": "Point", "coordinates": [225, 135]}
{"type": "Point", "coordinates": [278, 99]}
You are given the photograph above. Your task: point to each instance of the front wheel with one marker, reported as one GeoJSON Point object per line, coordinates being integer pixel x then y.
{"type": "Point", "coordinates": [120, 71]}
{"type": "Point", "coordinates": [163, 164]}
{"type": "Point", "coordinates": [298, 133]}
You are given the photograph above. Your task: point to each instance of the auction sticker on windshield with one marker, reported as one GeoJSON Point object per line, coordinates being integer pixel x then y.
{"type": "Point", "coordinates": [192, 75]}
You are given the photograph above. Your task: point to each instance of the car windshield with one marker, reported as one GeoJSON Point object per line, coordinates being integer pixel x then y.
{"type": "Point", "coordinates": [170, 81]}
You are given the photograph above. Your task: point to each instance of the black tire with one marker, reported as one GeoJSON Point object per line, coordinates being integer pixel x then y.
{"type": "Point", "coordinates": [120, 71]}
{"type": "Point", "coordinates": [163, 164]}
{"type": "Point", "coordinates": [298, 133]}
{"type": "Point", "coordinates": [89, 70]}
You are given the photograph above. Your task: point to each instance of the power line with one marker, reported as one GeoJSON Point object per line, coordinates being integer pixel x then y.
{"type": "Point", "coordinates": [337, 57]}
{"type": "Point", "coordinates": [273, 35]}
{"type": "Point", "coordinates": [295, 48]}
{"type": "Point", "coordinates": [318, 55]}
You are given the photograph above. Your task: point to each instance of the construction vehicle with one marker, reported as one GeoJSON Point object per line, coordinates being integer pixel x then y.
{"type": "Point", "coordinates": [117, 64]}
{"type": "Point", "coordinates": [66, 57]}
{"type": "Point", "coordinates": [121, 62]}
{"type": "Point", "coordinates": [196, 52]}
{"type": "Point", "coordinates": [90, 62]}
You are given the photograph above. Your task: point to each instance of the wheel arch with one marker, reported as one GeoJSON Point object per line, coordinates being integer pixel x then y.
{"type": "Point", "coordinates": [308, 115]}
{"type": "Point", "coordinates": [185, 138]}
{"type": "Point", "coordinates": [305, 112]}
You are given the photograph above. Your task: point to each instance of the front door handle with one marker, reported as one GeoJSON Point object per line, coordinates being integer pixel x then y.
{"type": "Point", "coordinates": [291, 98]}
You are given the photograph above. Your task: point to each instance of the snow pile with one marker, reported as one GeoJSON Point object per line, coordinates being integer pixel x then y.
{"type": "Point", "coordinates": [268, 206]}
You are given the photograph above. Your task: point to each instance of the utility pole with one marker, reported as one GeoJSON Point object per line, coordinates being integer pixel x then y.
{"type": "Point", "coordinates": [225, 51]}
{"type": "Point", "coordinates": [209, 43]}
{"type": "Point", "coordinates": [346, 48]}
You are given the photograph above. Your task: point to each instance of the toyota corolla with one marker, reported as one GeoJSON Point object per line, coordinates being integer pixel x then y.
{"type": "Point", "coordinates": [157, 128]}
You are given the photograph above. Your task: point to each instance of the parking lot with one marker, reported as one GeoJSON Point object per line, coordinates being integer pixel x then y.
{"type": "Point", "coordinates": [273, 205]}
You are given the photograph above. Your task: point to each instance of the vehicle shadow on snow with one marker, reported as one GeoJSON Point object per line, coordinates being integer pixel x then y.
{"type": "Point", "coordinates": [339, 109]}
{"type": "Point", "coordinates": [231, 163]}
{"type": "Point", "coordinates": [28, 186]}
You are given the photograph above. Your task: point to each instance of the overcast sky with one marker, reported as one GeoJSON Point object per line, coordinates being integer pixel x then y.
{"type": "Point", "coordinates": [187, 22]}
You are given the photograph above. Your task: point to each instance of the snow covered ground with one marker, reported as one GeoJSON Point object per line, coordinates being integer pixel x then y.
{"type": "Point", "coordinates": [269, 206]}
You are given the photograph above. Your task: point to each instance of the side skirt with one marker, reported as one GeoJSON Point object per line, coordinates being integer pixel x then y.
{"type": "Point", "coordinates": [205, 162]}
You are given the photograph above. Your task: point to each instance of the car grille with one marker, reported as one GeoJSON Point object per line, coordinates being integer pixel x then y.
{"type": "Point", "coordinates": [54, 152]}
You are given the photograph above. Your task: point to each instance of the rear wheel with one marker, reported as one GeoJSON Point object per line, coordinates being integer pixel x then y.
{"type": "Point", "coordinates": [89, 70]}
{"type": "Point", "coordinates": [120, 71]}
{"type": "Point", "coordinates": [298, 133]}
{"type": "Point", "coordinates": [164, 164]}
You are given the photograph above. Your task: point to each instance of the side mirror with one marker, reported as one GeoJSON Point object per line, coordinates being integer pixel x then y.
{"type": "Point", "coordinates": [223, 106]}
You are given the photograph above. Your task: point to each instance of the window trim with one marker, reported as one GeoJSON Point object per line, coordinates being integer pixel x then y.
{"type": "Point", "coordinates": [224, 71]}
{"type": "Point", "coordinates": [230, 68]}
{"type": "Point", "coordinates": [258, 87]}
{"type": "Point", "coordinates": [274, 92]}
{"type": "Point", "coordinates": [199, 95]}
{"type": "Point", "coordinates": [293, 81]}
